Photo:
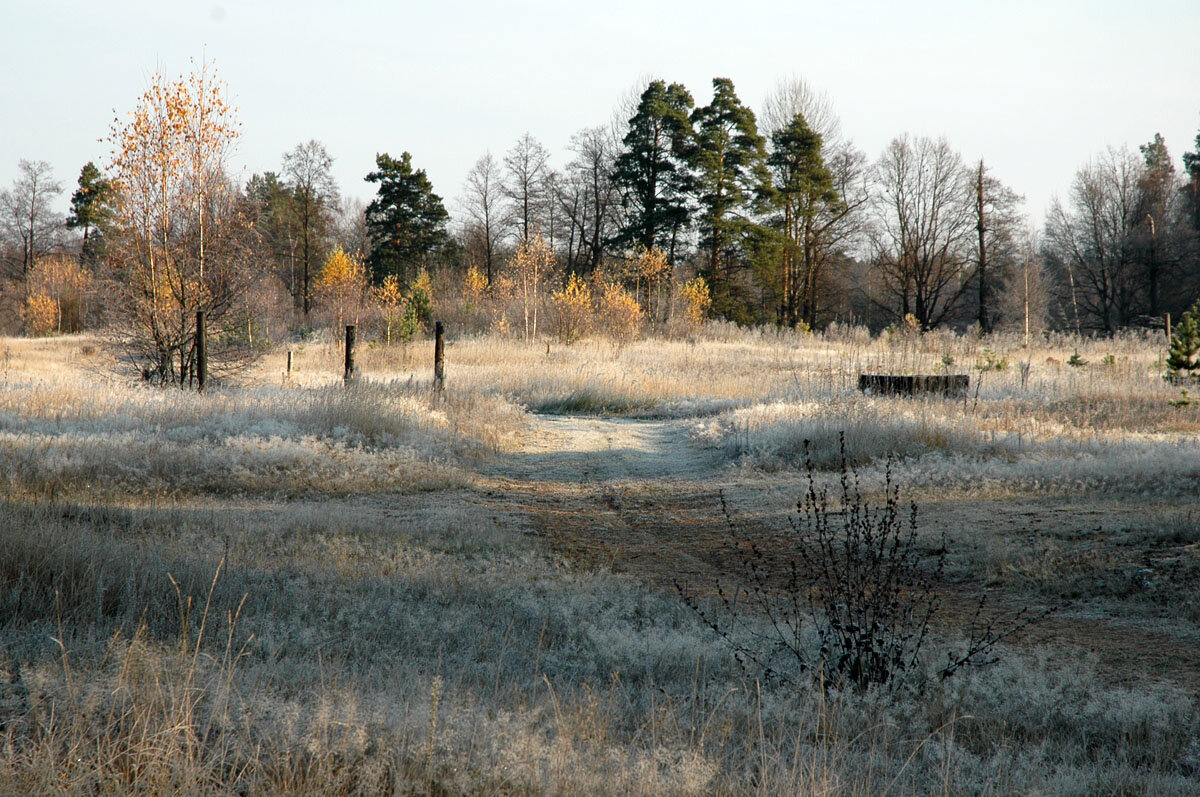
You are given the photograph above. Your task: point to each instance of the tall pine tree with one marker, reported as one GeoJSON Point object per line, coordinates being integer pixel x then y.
{"type": "Point", "coordinates": [273, 212]}
{"type": "Point", "coordinates": [91, 210]}
{"type": "Point", "coordinates": [406, 221]}
{"type": "Point", "coordinates": [1191, 165]}
{"type": "Point", "coordinates": [732, 184]}
{"type": "Point", "coordinates": [805, 194]}
{"type": "Point", "coordinates": [1156, 189]}
{"type": "Point", "coordinates": [652, 171]}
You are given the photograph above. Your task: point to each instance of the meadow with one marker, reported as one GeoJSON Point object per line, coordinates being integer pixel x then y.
{"type": "Point", "coordinates": [286, 586]}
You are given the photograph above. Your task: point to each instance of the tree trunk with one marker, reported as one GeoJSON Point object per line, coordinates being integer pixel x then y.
{"type": "Point", "coordinates": [985, 325]}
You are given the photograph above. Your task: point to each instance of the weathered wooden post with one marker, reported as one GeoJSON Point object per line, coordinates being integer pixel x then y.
{"type": "Point", "coordinates": [439, 356]}
{"type": "Point", "coordinates": [201, 352]}
{"type": "Point", "coordinates": [349, 375]}
{"type": "Point", "coordinates": [289, 366]}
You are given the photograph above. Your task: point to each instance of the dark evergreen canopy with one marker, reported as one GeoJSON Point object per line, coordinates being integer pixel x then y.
{"type": "Point", "coordinates": [406, 221]}
{"type": "Point", "coordinates": [90, 209]}
{"type": "Point", "coordinates": [732, 182]}
{"type": "Point", "coordinates": [652, 172]}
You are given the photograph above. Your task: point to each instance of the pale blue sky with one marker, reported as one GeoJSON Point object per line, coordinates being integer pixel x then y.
{"type": "Point", "coordinates": [1035, 88]}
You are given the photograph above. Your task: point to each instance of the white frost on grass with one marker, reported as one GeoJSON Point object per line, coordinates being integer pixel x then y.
{"type": "Point", "coordinates": [956, 445]}
{"type": "Point", "coordinates": [265, 440]}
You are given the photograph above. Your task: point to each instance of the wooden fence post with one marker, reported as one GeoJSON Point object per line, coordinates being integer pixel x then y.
{"type": "Point", "coordinates": [289, 366]}
{"type": "Point", "coordinates": [439, 356]}
{"type": "Point", "coordinates": [349, 375]}
{"type": "Point", "coordinates": [201, 352]}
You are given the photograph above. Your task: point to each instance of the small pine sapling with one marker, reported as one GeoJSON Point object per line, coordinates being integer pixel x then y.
{"type": "Point", "coordinates": [1183, 352]}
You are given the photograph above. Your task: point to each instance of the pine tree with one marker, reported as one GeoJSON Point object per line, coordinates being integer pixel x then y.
{"type": "Point", "coordinates": [804, 191]}
{"type": "Point", "coordinates": [730, 162]}
{"type": "Point", "coordinates": [406, 221]}
{"type": "Point", "coordinates": [1183, 355]}
{"type": "Point", "coordinates": [1191, 165]}
{"type": "Point", "coordinates": [652, 171]}
{"type": "Point", "coordinates": [276, 221]}
{"type": "Point", "coordinates": [1155, 189]}
{"type": "Point", "coordinates": [91, 210]}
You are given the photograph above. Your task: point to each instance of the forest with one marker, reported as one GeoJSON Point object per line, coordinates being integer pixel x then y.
{"type": "Point", "coordinates": [673, 209]}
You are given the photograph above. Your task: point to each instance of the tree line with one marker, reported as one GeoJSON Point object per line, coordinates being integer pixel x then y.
{"type": "Point", "coordinates": [779, 217]}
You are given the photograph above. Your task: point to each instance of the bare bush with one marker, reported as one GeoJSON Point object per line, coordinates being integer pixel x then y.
{"type": "Point", "coordinates": [851, 595]}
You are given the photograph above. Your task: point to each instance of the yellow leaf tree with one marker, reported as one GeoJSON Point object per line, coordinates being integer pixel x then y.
{"type": "Point", "coordinates": [342, 287]}
{"type": "Point", "coordinates": [175, 244]}
{"type": "Point", "coordinates": [530, 266]}
{"type": "Point", "coordinates": [620, 314]}
{"type": "Point", "coordinates": [391, 303]}
{"type": "Point", "coordinates": [58, 290]}
{"type": "Point", "coordinates": [654, 271]}
{"type": "Point", "coordinates": [697, 300]}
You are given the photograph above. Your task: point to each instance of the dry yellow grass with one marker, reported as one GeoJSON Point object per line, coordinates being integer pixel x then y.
{"type": "Point", "coordinates": [384, 621]}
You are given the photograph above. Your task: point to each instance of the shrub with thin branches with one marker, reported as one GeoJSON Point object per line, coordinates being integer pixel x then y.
{"type": "Point", "coordinates": [850, 594]}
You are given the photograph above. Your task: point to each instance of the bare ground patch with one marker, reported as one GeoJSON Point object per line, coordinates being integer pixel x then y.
{"type": "Point", "coordinates": [637, 497]}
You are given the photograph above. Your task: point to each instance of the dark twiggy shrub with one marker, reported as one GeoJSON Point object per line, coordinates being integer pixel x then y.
{"type": "Point", "coordinates": [848, 595]}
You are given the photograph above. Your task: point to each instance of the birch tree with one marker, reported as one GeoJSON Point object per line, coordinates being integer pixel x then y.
{"type": "Point", "coordinates": [530, 267]}
{"type": "Point", "coordinates": [175, 224]}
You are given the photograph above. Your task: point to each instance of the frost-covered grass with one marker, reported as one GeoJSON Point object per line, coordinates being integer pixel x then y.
{"type": "Point", "coordinates": [64, 431]}
{"type": "Point", "coordinates": [723, 368]}
{"type": "Point", "coordinates": [364, 637]}
{"type": "Point", "coordinates": [995, 446]}
{"type": "Point", "coordinates": [1035, 424]}
{"type": "Point", "coordinates": [340, 652]}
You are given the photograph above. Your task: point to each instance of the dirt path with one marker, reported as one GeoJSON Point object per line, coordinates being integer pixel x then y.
{"type": "Point", "coordinates": [589, 450]}
{"type": "Point", "coordinates": [639, 496]}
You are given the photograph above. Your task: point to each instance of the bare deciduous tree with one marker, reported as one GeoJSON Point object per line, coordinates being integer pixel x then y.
{"type": "Point", "coordinates": [527, 167]}
{"type": "Point", "coordinates": [307, 169]}
{"type": "Point", "coordinates": [924, 225]}
{"type": "Point", "coordinates": [350, 227]}
{"type": "Point", "coordinates": [483, 197]}
{"type": "Point", "coordinates": [27, 212]}
{"type": "Point", "coordinates": [1091, 244]}
{"type": "Point", "coordinates": [589, 196]}
{"type": "Point", "coordinates": [793, 96]}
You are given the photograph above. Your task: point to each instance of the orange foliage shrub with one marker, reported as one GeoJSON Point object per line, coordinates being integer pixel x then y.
{"type": "Point", "coordinates": [697, 300]}
{"type": "Point", "coordinates": [572, 310]}
{"type": "Point", "coordinates": [620, 315]}
{"type": "Point", "coordinates": [40, 315]}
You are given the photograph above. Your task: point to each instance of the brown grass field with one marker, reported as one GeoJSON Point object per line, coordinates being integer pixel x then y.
{"type": "Point", "coordinates": [284, 586]}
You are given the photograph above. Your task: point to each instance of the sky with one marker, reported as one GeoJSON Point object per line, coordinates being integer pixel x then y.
{"type": "Point", "coordinates": [1034, 87]}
